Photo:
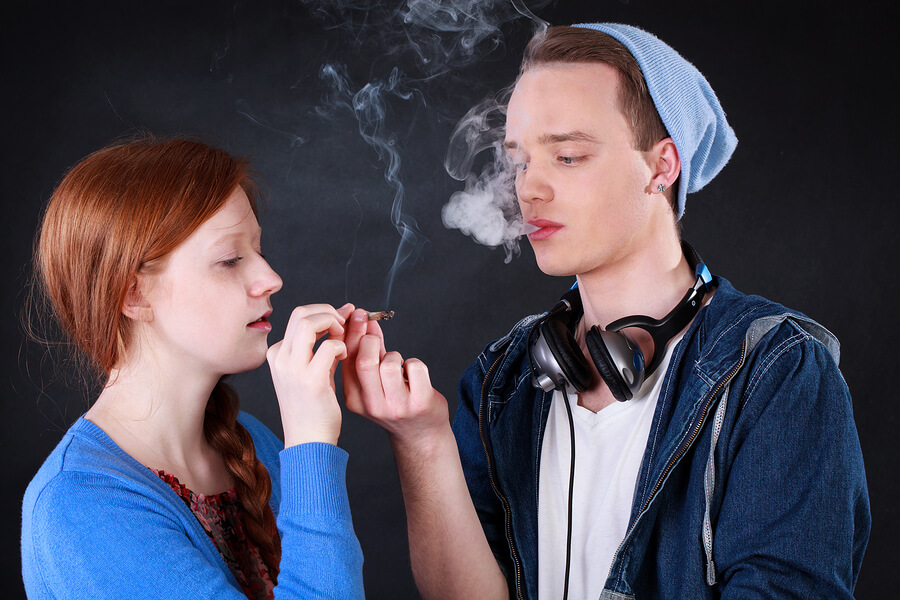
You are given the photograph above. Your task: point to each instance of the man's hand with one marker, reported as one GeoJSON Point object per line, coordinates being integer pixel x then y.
{"type": "Point", "coordinates": [381, 386]}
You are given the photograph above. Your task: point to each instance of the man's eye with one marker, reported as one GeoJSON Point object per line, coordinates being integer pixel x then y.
{"type": "Point", "coordinates": [569, 160]}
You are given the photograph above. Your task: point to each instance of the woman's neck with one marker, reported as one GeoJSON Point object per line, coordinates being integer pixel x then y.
{"type": "Point", "coordinates": [157, 418]}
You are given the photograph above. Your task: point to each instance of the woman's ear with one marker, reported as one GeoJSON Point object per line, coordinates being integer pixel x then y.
{"type": "Point", "coordinates": [136, 306]}
{"type": "Point", "coordinates": [665, 165]}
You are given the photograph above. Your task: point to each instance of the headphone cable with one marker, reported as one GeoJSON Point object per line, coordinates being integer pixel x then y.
{"type": "Point", "coordinates": [571, 490]}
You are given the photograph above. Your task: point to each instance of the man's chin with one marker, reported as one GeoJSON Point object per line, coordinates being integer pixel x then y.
{"type": "Point", "coordinates": [555, 270]}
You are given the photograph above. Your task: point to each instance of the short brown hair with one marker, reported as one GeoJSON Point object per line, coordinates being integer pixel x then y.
{"type": "Point", "coordinates": [563, 44]}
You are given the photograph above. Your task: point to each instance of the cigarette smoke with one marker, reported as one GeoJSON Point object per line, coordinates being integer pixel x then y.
{"type": "Point", "coordinates": [369, 107]}
{"type": "Point", "coordinates": [487, 209]}
{"type": "Point", "coordinates": [418, 46]}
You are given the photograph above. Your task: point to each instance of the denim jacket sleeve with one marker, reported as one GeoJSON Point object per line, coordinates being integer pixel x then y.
{"type": "Point", "coordinates": [473, 457]}
{"type": "Point", "coordinates": [794, 517]}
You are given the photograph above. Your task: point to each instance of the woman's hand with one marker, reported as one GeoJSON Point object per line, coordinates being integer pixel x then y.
{"type": "Point", "coordinates": [381, 386]}
{"type": "Point", "coordinates": [304, 375]}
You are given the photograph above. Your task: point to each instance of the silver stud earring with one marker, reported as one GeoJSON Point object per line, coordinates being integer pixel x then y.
{"type": "Point", "coordinates": [661, 188]}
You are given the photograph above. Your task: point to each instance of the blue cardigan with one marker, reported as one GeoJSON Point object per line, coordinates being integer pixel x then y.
{"type": "Point", "coordinates": [98, 524]}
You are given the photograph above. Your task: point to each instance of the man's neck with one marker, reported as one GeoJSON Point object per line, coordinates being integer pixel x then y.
{"type": "Point", "coordinates": [648, 282]}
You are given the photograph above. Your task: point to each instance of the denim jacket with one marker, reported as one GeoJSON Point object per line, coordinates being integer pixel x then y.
{"type": "Point", "coordinates": [752, 483]}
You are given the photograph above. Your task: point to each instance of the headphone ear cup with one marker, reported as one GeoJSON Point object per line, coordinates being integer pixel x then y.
{"type": "Point", "coordinates": [564, 348]}
{"type": "Point", "coordinates": [598, 343]}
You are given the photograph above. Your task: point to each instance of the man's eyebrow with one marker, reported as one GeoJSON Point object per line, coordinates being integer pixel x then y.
{"type": "Point", "coordinates": [556, 138]}
{"type": "Point", "coordinates": [570, 136]}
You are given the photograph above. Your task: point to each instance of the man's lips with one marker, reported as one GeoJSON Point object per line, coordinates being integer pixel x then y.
{"type": "Point", "coordinates": [541, 229]}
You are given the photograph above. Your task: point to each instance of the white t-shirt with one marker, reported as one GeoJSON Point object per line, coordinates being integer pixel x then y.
{"type": "Point", "coordinates": [609, 448]}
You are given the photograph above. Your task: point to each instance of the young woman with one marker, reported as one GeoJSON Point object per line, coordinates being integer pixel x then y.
{"type": "Point", "coordinates": [149, 255]}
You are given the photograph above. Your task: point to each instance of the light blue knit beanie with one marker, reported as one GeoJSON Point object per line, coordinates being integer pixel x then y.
{"type": "Point", "coordinates": [686, 103]}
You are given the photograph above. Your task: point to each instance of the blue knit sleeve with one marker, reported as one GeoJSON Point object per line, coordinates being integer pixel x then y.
{"type": "Point", "coordinates": [320, 554]}
{"type": "Point", "coordinates": [98, 525]}
{"type": "Point", "coordinates": [317, 538]}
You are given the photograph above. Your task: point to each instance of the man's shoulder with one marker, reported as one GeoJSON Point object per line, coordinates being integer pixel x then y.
{"type": "Point", "coordinates": [500, 358]}
{"type": "Point", "coordinates": [736, 322]}
{"type": "Point", "coordinates": [510, 345]}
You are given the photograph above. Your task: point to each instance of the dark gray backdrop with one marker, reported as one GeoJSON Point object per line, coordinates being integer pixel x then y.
{"type": "Point", "coordinates": [805, 213]}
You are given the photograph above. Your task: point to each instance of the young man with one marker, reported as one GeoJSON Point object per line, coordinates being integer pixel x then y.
{"type": "Point", "coordinates": [731, 468]}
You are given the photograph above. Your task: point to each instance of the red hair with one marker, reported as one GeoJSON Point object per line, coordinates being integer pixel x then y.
{"type": "Point", "coordinates": [121, 210]}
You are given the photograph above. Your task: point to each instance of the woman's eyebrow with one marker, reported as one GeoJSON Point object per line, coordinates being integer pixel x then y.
{"type": "Point", "coordinates": [228, 237]}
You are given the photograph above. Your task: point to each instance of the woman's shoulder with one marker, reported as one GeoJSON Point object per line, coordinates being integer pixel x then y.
{"type": "Point", "coordinates": [88, 484]}
{"type": "Point", "coordinates": [84, 452]}
{"type": "Point", "coordinates": [85, 466]}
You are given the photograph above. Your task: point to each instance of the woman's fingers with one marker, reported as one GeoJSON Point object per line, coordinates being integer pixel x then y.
{"type": "Point", "coordinates": [302, 366]}
{"type": "Point", "coordinates": [327, 356]}
{"type": "Point", "coordinates": [305, 328]}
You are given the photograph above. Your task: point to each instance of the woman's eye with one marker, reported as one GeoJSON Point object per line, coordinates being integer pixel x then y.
{"type": "Point", "coordinates": [232, 262]}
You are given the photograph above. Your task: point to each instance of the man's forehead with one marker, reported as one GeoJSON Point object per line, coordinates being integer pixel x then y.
{"type": "Point", "coordinates": [564, 103]}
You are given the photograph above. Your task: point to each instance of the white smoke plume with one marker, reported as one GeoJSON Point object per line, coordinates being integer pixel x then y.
{"type": "Point", "coordinates": [369, 107]}
{"type": "Point", "coordinates": [486, 209]}
{"type": "Point", "coordinates": [422, 42]}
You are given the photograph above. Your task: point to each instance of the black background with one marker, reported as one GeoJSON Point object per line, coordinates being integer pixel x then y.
{"type": "Point", "coordinates": [805, 213]}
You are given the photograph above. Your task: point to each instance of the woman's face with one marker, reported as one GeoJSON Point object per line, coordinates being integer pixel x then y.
{"type": "Point", "coordinates": [211, 300]}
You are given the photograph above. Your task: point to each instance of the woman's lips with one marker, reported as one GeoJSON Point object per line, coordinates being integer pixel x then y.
{"type": "Point", "coordinates": [541, 229]}
{"type": "Point", "coordinates": [262, 324]}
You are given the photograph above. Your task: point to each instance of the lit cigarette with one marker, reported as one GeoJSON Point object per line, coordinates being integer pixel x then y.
{"type": "Point", "coordinates": [380, 315]}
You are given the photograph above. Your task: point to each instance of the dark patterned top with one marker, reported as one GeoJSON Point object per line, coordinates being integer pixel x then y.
{"type": "Point", "coordinates": [222, 516]}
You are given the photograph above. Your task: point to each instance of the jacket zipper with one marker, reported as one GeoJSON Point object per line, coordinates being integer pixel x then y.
{"type": "Point", "coordinates": [494, 483]}
{"type": "Point", "coordinates": [688, 444]}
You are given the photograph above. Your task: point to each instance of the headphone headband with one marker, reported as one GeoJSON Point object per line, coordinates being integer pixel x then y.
{"type": "Point", "coordinates": [557, 361]}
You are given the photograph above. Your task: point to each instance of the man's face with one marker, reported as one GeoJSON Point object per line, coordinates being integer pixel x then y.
{"type": "Point", "coordinates": [579, 180]}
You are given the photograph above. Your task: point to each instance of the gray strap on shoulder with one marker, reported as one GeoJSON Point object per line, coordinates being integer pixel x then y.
{"type": "Point", "coordinates": [760, 327]}
{"type": "Point", "coordinates": [709, 484]}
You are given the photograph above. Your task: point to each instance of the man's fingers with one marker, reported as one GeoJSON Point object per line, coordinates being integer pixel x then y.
{"type": "Point", "coordinates": [392, 376]}
{"type": "Point", "coordinates": [418, 378]}
{"type": "Point", "coordinates": [362, 378]}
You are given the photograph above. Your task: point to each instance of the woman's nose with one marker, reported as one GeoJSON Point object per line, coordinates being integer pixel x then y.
{"type": "Point", "coordinates": [267, 282]}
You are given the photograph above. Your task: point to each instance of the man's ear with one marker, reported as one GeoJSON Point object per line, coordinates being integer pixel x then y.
{"type": "Point", "coordinates": [136, 306]}
{"type": "Point", "coordinates": [665, 165]}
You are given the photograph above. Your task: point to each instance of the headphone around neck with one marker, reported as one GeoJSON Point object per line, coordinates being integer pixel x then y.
{"type": "Point", "coordinates": [557, 362]}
